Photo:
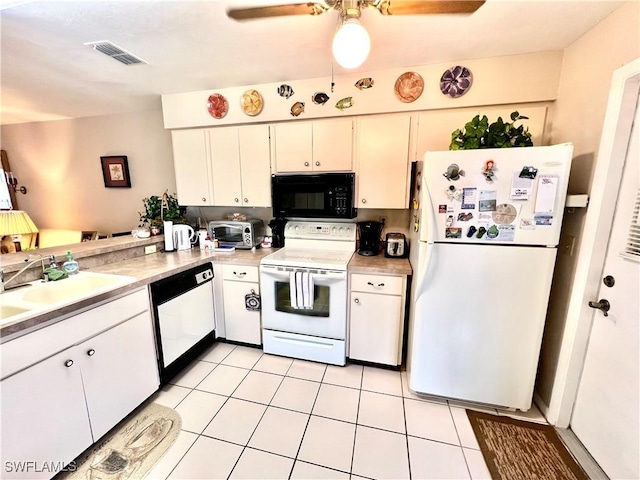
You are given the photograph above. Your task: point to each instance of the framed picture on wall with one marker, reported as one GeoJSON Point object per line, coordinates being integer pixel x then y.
{"type": "Point", "coordinates": [115, 171]}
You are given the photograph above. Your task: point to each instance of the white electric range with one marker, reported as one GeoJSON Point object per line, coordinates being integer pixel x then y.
{"type": "Point", "coordinates": [304, 292]}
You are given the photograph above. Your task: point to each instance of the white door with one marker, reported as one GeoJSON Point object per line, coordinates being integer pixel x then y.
{"type": "Point", "coordinates": [332, 145]}
{"type": "Point", "coordinates": [225, 166]}
{"type": "Point", "coordinates": [255, 165]}
{"type": "Point", "coordinates": [605, 417]}
{"type": "Point", "coordinates": [241, 325]}
{"type": "Point", "coordinates": [192, 168]}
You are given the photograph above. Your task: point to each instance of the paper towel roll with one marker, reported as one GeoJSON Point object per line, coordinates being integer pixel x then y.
{"type": "Point", "coordinates": [168, 237]}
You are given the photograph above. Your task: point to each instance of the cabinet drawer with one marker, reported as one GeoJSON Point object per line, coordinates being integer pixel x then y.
{"type": "Point", "coordinates": [390, 285]}
{"type": "Point", "coordinates": [242, 273]}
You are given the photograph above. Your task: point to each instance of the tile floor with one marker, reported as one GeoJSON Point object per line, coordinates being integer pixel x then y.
{"type": "Point", "coordinates": [249, 415]}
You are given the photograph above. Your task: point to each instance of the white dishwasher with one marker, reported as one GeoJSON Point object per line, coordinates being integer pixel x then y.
{"type": "Point", "coordinates": [184, 318]}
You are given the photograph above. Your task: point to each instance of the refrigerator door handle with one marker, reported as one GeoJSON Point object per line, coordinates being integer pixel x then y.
{"type": "Point", "coordinates": [425, 254]}
{"type": "Point", "coordinates": [428, 226]}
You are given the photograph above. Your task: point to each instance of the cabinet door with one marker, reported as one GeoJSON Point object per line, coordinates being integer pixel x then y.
{"type": "Point", "coordinates": [241, 325]}
{"type": "Point", "coordinates": [192, 167]}
{"type": "Point", "coordinates": [225, 166]}
{"type": "Point", "coordinates": [333, 145]}
{"type": "Point", "coordinates": [383, 162]}
{"type": "Point", "coordinates": [255, 166]}
{"type": "Point", "coordinates": [119, 371]}
{"type": "Point", "coordinates": [375, 328]}
{"type": "Point", "coordinates": [44, 415]}
{"type": "Point", "coordinates": [293, 147]}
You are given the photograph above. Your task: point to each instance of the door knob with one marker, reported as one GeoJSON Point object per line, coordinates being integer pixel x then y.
{"type": "Point", "coordinates": [317, 164]}
{"type": "Point", "coordinates": [306, 164]}
{"type": "Point", "coordinates": [603, 305]}
{"type": "Point", "coordinates": [236, 200]}
{"type": "Point", "coordinates": [91, 352]}
{"type": "Point", "coordinates": [68, 363]}
{"type": "Point", "coordinates": [356, 300]}
{"type": "Point", "coordinates": [246, 200]}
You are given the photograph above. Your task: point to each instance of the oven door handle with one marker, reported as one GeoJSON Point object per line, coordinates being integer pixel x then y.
{"type": "Point", "coordinates": [318, 276]}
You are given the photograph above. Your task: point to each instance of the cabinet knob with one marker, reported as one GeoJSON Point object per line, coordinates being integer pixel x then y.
{"type": "Point", "coordinates": [236, 200]}
{"type": "Point", "coordinates": [317, 164]}
{"type": "Point", "coordinates": [306, 164]}
{"type": "Point", "coordinates": [364, 200]}
{"type": "Point", "coordinates": [91, 352]}
{"type": "Point", "coordinates": [204, 199]}
{"type": "Point", "coordinates": [246, 200]}
{"type": "Point", "coordinates": [68, 363]}
{"type": "Point", "coordinates": [356, 300]}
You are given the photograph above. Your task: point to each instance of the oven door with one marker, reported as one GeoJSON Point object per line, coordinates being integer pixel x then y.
{"type": "Point", "coordinates": [326, 318]}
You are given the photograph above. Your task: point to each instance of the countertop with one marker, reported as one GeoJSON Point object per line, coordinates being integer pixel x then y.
{"type": "Point", "coordinates": [146, 269]}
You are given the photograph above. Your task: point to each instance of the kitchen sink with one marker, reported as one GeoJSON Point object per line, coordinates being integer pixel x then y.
{"type": "Point", "coordinates": [10, 310]}
{"type": "Point", "coordinates": [20, 304]}
{"type": "Point", "coordinates": [73, 287]}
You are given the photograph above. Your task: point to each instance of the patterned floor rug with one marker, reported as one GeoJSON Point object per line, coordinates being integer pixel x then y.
{"type": "Point", "coordinates": [518, 450]}
{"type": "Point", "coordinates": [132, 449]}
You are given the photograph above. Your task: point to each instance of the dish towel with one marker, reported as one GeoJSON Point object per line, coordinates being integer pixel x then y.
{"type": "Point", "coordinates": [299, 290]}
{"type": "Point", "coordinates": [307, 286]}
{"type": "Point", "coordinates": [293, 290]}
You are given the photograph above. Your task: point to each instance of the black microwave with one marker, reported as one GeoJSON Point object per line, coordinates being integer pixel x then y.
{"type": "Point", "coordinates": [314, 195]}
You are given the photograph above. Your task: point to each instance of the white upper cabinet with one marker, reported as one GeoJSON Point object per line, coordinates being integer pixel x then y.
{"type": "Point", "coordinates": [383, 161]}
{"type": "Point", "coordinates": [192, 167]}
{"type": "Point", "coordinates": [333, 145]}
{"type": "Point", "coordinates": [255, 165]}
{"type": "Point", "coordinates": [319, 146]}
{"type": "Point", "coordinates": [225, 166]}
{"type": "Point", "coordinates": [293, 147]}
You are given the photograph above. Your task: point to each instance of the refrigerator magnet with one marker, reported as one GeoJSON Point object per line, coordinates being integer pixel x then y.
{"type": "Point", "coordinates": [442, 209]}
{"type": "Point", "coordinates": [481, 232]}
{"type": "Point", "coordinates": [521, 187]}
{"type": "Point", "coordinates": [528, 172]}
{"type": "Point", "coordinates": [449, 221]}
{"type": "Point", "coordinates": [488, 171]}
{"type": "Point", "coordinates": [471, 231]}
{"type": "Point", "coordinates": [487, 200]}
{"type": "Point", "coordinates": [506, 233]}
{"type": "Point", "coordinates": [545, 220]}
{"type": "Point", "coordinates": [454, 232]}
{"type": "Point", "coordinates": [453, 172]}
{"type": "Point", "coordinates": [453, 193]}
{"type": "Point", "coordinates": [527, 224]}
{"type": "Point", "coordinates": [469, 198]}
{"type": "Point", "coordinates": [493, 232]}
{"type": "Point", "coordinates": [465, 217]}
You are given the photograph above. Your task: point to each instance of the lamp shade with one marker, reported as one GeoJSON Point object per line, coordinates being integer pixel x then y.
{"type": "Point", "coordinates": [16, 222]}
{"type": "Point", "coordinates": [351, 44]}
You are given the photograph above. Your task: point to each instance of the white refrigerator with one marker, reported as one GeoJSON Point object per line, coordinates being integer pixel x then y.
{"type": "Point", "coordinates": [486, 225]}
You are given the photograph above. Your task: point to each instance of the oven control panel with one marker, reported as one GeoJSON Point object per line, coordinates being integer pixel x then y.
{"type": "Point", "coordinates": [321, 230]}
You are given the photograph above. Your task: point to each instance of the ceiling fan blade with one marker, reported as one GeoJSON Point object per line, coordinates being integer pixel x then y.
{"type": "Point", "coordinates": [407, 7]}
{"type": "Point", "coordinates": [253, 13]}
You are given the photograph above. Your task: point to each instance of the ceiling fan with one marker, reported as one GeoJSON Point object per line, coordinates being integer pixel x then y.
{"type": "Point", "coordinates": [351, 43]}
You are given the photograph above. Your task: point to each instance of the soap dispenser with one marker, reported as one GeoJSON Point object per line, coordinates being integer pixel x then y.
{"type": "Point", "coordinates": [70, 266]}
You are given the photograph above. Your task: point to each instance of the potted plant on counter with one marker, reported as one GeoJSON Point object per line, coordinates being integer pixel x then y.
{"type": "Point", "coordinates": [160, 208]}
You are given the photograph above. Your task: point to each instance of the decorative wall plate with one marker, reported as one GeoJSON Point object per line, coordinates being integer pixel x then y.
{"type": "Point", "coordinates": [251, 102]}
{"type": "Point", "coordinates": [320, 98]}
{"type": "Point", "coordinates": [285, 90]}
{"type": "Point", "coordinates": [364, 83]}
{"type": "Point", "coordinates": [409, 87]}
{"type": "Point", "coordinates": [297, 108]}
{"type": "Point", "coordinates": [344, 103]}
{"type": "Point", "coordinates": [217, 105]}
{"type": "Point", "coordinates": [456, 81]}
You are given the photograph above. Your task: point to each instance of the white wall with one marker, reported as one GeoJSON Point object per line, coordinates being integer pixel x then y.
{"type": "Point", "coordinates": [59, 163]}
{"type": "Point", "coordinates": [577, 117]}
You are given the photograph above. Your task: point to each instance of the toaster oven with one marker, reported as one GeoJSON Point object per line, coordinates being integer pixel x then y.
{"type": "Point", "coordinates": [237, 233]}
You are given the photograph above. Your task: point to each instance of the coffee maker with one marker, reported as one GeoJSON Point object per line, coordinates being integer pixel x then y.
{"type": "Point", "coordinates": [369, 233]}
{"type": "Point", "coordinates": [277, 231]}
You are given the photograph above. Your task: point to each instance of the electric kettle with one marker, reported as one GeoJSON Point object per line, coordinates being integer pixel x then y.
{"type": "Point", "coordinates": [183, 235]}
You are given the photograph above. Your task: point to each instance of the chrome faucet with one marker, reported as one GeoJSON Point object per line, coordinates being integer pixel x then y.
{"type": "Point", "coordinates": [41, 258]}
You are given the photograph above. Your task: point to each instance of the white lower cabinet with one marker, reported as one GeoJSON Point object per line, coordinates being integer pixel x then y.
{"type": "Point", "coordinates": [376, 318]}
{"type": "Point", "coordinates": [55, 406]}
{"type": "Point", "coordinates": [241, 324]}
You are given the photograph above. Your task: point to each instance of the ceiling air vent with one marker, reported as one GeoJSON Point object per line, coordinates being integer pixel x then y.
{"type": "Point", "coordinates": [115, 52]}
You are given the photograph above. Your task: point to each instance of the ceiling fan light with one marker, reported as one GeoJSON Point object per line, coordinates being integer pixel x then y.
{"type": "Point", "coordinates": [351, 44]}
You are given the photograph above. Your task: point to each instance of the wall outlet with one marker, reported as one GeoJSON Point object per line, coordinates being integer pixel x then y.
{"type": "Point", "coordinates": [150, 249]}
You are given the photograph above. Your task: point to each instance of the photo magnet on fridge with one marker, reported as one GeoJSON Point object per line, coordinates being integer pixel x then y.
{"type": "Point", "coordinates": [453, 232]}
